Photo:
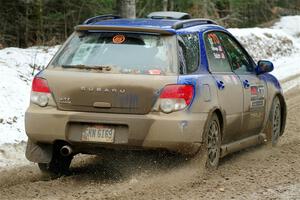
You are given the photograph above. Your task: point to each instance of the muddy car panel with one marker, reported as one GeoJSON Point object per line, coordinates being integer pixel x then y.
{"type": "Point", "coordinates": [129, 103]}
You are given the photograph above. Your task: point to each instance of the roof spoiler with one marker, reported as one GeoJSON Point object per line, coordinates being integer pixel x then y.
{"type": "Point", "coordinates": [101, 18]}
{"type": "Point", "coordinates": [87, 27]}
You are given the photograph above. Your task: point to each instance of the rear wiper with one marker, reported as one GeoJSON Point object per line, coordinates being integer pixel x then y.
{"type": "Point", "coordinates": [97, 67]}
{"type": "Point", "coordinates": [102, 67]}
{"type": "Point", "coordinates": [74, 66]}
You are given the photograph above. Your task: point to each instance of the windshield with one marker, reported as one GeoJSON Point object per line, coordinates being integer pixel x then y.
{"type": "Point", "coordinates": [119, 53]}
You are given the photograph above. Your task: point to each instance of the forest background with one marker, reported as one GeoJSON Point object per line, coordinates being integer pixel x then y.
{"type": "Point", "coordinates": [27, 23]}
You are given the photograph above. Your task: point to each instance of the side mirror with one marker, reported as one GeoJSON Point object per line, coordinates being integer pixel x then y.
{"type": "Point", "coordinates": [264, 66]}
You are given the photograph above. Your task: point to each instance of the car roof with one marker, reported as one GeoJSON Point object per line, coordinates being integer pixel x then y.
{"type": "Point", "coordinates": [171, 26]}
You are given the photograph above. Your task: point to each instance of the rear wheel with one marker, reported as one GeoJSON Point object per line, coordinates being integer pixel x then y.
{"type": "Point", "coordinates": [211, 148]}
{"type": "Point", "coordinates": [58, 166]}
{"type": "Point", "coordinates": [275, 121]}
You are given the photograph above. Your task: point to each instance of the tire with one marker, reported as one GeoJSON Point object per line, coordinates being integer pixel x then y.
{"type": "Point", "coordinates": [58, 166]}
{"type": "Point", "coordinates": [274, 123]}
{"type": "Point", "coordinates": [211, 148]}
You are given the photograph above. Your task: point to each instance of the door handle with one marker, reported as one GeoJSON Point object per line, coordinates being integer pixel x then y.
{"type": "Point", "coordinates": [220, 85]}
{"type": "Point", "coordinates": [246, 84]}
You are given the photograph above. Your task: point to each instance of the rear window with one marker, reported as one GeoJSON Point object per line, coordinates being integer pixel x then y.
{"type": "Point", "coordinates": [119, 53]}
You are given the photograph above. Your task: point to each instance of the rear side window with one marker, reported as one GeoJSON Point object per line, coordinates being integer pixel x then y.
{"type": "Point", "coordinates": [216, 54]}
{"type": "Point", "coordinates": [189, 53]}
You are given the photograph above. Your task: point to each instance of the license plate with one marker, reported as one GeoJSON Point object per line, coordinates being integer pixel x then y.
{"type": "Point", "coordinates": [98, 134]}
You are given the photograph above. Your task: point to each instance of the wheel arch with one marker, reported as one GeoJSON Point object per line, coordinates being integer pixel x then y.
{"type": "Point", "coordinates": [283, 111]}
{"type": "Point", "coordinates": [221, 117]}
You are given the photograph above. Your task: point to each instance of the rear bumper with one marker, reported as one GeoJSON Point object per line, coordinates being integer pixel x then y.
{"type": "Point", "coordinates": [178, 131]}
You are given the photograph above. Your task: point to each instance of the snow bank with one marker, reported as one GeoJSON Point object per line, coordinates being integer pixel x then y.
{"type": "Point", "coordinates": [289, 24]}
{"type": "Point", "coordinates": [15, 83]}
{"type": "Point", "coordinates": [279, 44]}
{"type": "Point", "coordinates": [281, 40]}
{"type": "Point", "coordinates": [263, 43]}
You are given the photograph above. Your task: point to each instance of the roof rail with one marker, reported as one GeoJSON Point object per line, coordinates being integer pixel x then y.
{"type": "Point", "coordinates": [169, 15]}
{"type": "Point", "coordinates": [192, 22]}
{"type": "Point", "coordinates": [100, 18]}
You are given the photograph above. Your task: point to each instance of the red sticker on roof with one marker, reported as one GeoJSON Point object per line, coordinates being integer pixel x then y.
{"type": "Point", "coordinates": [118, 39]}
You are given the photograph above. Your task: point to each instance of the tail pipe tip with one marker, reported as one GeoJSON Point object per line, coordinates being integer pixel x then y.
{"type": "Point", "coordinates": [66, 150]}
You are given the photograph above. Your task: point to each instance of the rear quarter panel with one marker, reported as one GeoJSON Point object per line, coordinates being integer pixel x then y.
{"type": "Point", "coordinates": [205, 92]}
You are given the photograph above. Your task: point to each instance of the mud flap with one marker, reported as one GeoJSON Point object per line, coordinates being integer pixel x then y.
{"type": "Point", "coordinates": [38, 153]}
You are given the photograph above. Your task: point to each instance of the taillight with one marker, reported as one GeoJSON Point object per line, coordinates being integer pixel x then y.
{"type": "Point", "coordinates": [40, 85]}
{"type": "Point", "coordinates": [175, 97]}
{"type": "Point", "coordinates": [40, 92]}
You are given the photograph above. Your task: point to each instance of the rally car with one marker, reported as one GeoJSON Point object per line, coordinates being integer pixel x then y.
{"type": "Point", "coordinates": [162, 82]}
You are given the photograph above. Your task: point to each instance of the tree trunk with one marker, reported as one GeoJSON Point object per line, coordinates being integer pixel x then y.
{"type": "Point", "coordinates": [171, 5]}
{"type": "Point", "coordinates": [205, 8]}
{"type": "Point", "coordinates": [165, 5]}
{"type": "Point", "coordinates": [127, 8]}
{"type": "Point", "coordinates": [26, 33]}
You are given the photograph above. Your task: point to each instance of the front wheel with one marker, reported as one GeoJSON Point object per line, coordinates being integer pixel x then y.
{"type": "Point", "coordinates": [274, 123]}
{"type": "Point", "coordinates": [211, 147]}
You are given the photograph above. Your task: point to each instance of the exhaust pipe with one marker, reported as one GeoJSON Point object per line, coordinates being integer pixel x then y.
{"type": "Point", "coordinates": [66, 150]}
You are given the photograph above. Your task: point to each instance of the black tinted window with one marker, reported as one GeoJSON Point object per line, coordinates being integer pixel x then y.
{"type": "Point", "coordinates": [238, 58]}
{"type": "Point", "coordinates": [216, 55]}
{"type": "Point", "coordinates": [189, 53]}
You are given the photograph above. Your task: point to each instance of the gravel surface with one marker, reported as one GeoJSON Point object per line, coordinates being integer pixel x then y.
{"type": "Point", "coordinates": [261, 172]}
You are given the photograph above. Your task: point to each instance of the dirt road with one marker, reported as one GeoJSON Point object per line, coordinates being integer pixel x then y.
{"type": "Point", "coordinates": [262, 172]}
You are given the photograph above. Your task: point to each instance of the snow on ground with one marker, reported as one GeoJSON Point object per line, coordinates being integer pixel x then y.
{"type": "Point", "coordinates": [15, 83]}
{"type": "Point", "coordinates": [290, 25]}
{"type": "Point", "coordinates": [12, 154]}
{"type": "Point", "coordinates": [279, 44]}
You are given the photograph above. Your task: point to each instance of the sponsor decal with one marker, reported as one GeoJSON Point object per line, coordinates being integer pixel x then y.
{"type": "Point", "coordinates": [253, 90]}
{"type": "Point", "coordinates": [216, 47]}
{"type": "Point", "coordinates": [257, 96]}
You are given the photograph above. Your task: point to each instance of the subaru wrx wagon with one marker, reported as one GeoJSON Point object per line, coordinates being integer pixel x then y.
{"type": "Point", "coordinates": [162, 82]}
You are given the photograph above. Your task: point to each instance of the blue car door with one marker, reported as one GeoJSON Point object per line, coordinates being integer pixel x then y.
{"type": "Point", "coordinates": [229, 88]}
{"type": "Point", "coordinates": [254, 89]}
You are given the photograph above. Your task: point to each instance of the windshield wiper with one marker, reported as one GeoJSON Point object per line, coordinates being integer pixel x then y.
{"type": "Point", "coordinates": [97, 67]}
